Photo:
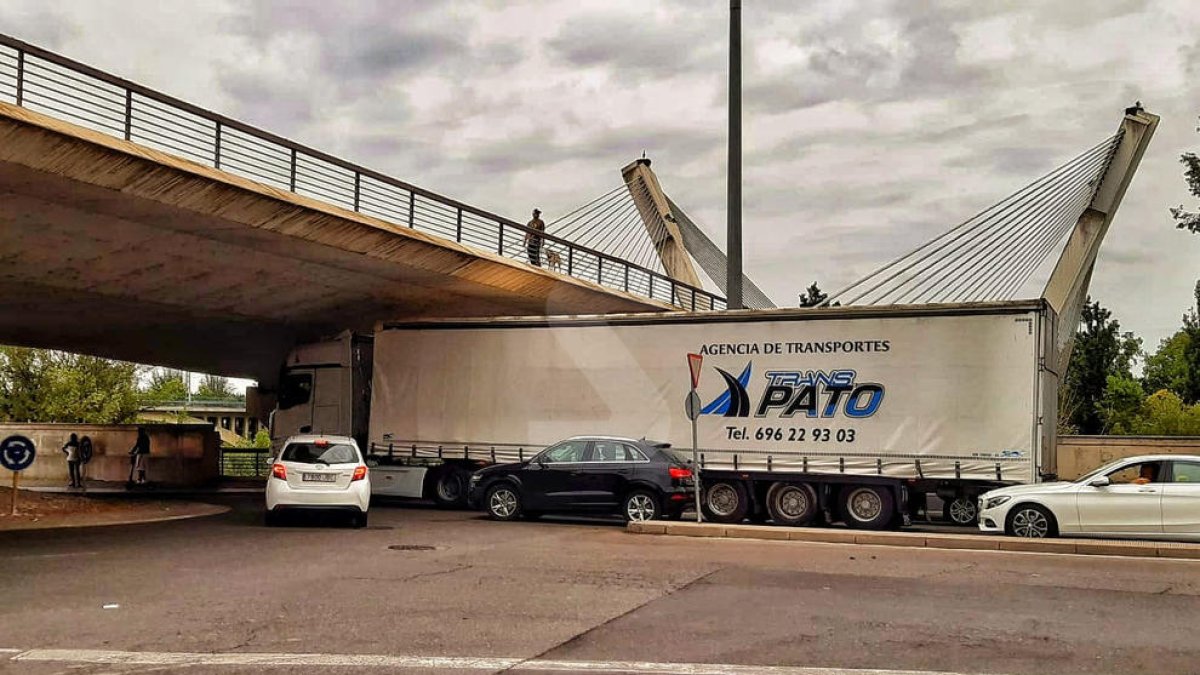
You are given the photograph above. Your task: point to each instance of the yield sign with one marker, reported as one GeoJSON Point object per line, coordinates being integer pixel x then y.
{"type": "Point", "coordinates": [694, 361]}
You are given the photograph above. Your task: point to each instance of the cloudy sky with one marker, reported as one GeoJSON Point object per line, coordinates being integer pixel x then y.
{"type": "Point", "coordinates": [869, 126]}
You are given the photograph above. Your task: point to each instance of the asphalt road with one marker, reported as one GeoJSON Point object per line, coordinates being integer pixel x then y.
{"type": "Point", "coordinates": [566, 596]}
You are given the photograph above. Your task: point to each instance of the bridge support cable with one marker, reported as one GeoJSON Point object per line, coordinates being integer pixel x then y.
{"type": "Point", "coordinates": [1018, 241]}
{"type": "Point", "coordinates": [962, 264]}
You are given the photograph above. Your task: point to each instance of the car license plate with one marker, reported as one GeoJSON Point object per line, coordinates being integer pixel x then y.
{"type": "Point", "coordinates": [318, 477]}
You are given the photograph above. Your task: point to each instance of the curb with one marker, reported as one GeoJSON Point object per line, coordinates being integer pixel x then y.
{"type": "Point", "coordinates": [1115, 547]}
{"type": "Point", "coordinates": [204, 512]}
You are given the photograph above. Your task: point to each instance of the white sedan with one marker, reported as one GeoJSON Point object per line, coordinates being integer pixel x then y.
{"type": "Point", "coordinates": [1155, 496]}
{"type": "Point", "coordinates": [319, 473]}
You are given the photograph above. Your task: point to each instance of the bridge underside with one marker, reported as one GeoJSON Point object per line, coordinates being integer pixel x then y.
{"type": "Point", "coordinates": [110, 248]}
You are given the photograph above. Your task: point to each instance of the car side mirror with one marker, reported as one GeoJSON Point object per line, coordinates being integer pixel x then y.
{"type": "Point", "coordinates": [1102, 481]}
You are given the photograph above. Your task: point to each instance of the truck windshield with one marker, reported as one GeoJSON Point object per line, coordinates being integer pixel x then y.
{"type": "Point", "coordinates": [311, 453]}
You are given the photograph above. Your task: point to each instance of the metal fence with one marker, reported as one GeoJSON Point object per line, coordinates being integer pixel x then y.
{"type": "Point", "coordinates": [245, 463]}
{"type": "Point", "coordinates": [47, 83]}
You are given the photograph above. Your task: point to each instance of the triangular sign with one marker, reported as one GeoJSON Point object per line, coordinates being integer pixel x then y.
{"type": "Point", "coordinates": [694, 361]}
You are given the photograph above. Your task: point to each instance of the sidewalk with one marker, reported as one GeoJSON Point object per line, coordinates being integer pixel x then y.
{"type": "Point", "coordinates": [1119, 547]}
{"type": "Point", "coordinates": [46, 510]}
{"type": "Point", "coordinates": [106, 488]}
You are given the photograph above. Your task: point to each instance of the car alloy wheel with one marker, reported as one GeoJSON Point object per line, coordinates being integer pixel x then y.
{"type": "Point", "coordinates": [503, 503]}
{"type": "Point", "coordinates": [1031, 523]}
{"type": "Point", "coordinates": [963, 510]}
{"type": "Point", "coordinates": [640, 507]}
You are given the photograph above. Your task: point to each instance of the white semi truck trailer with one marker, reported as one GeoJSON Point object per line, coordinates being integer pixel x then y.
{"type": "Point", "coordinates": [859, 411]}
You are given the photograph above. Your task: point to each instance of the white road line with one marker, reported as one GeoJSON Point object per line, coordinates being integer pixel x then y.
{"type": "Point", "coordinates": [4, 650]}
{"type": "Point", "coordinates": [434, 663]}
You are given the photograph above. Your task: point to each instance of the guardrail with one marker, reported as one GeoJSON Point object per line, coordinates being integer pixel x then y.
{"type": "Point", "coordinates": [245, 463]}
{"type": "Point", "coordinates": [48, 83]}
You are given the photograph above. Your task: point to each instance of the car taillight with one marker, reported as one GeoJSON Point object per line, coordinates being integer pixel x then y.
{"type": "Point", "coordinates": [679, 472]}
{"type": "Point", "coordinates": [279, 471]}
{"type": "Point", "coordinates": [360, 472]}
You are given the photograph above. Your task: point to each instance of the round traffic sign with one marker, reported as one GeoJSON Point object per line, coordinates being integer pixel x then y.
{"type": "Point", "coordinates": [692, 405]}
{"type": "Point", "coordinates": [17, 453]}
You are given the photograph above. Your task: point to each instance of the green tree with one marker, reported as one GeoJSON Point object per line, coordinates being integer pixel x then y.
{"type": "Point", "coordinates": [1191, 352]}
{"type": "Point", "coordinates": [1167, 368]}
{"type": "Point", "coordinates": [165, 385]}
{"type": "Point", "coordinates": [1121, 406]}
{"type": "Point", "coordinates": [38, 385]}
{"type": "Point", "coordinates": [813, 296]}
{"type": "Point", "coordinates": [1165, 414]}
{"type": "Point", "coordinates": [1189, 220]}
{"type": "Point", "coordinates": [261, 440]}
{"type": "Point", "coordinates": [1101, 350]}
{"type": "Point", "coordinates": [216, 388]}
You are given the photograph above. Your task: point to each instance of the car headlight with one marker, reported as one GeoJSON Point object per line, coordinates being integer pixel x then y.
{"type": "Point", "coordinates": [993, 502]}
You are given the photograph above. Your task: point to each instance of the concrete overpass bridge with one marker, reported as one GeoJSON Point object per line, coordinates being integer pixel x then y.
{"type": "Point", "coordinates": [137, 226]}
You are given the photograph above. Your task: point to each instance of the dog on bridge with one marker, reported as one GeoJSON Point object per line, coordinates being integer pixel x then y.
{"type": "Point", "coordinates": [553, 259]}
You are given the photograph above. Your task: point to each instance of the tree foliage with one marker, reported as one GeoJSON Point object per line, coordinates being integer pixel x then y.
{"type": "Point", "coordinates": [165, 384]}
{"type": "Point", "coordinates": [216, 388]}
{"type": "Point", "coordinates": [813, 296]}
{"type": "Point", "coordinates": [39, 385]}
{"type": "Point", "coordinates": [1101, 350]}
{"type": "Point", "coordinates": [1184, 219]}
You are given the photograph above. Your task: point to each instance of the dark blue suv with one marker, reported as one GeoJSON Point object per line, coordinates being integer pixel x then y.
{"type": "Point", "coordinates": [637, 479]}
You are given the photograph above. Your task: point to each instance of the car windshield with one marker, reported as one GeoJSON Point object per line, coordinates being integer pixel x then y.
{"type": "Point", "coordinates": [1101, 471]}
{"type": "Point", "coordinates": [313, 453]}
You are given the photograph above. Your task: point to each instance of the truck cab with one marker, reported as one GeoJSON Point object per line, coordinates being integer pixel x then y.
{"type": "Point", "coordinates": [325, 388]}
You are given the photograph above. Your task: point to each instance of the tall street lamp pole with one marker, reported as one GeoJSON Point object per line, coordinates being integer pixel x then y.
{"type": "Point", "coordinates": [733, 282]}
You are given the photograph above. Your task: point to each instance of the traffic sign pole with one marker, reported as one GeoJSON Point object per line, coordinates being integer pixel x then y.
{"type": "Point", "coordinates": [16, 455]}
{"type": "Point", "coordinates": [693, 413]}
{"type": "Point", "coordinates": [695, 463]}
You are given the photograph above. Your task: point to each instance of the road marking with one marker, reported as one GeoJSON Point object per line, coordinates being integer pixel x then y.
{"type": "Point", "coordinates": [435, 663]}
{"type": "Point", "coordinates": [4, 650]}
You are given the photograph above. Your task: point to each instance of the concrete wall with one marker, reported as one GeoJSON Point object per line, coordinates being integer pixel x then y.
{"type": "Point", "coordinates": [1078, 455]}
{"type": "Point", "coordinates": [180, 454]}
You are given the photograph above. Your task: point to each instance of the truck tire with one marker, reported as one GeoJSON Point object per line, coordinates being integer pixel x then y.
{"type": "Point", "coordinates": [450, 488]}
{"type": "Point", "coordinates": [503, 501]}
{"type": "Point", "coordinates": [961, 511]}
{"type": "Point", "coordinates": [867, 507]}
{"type": "Point", "coordinates": [793, 504]}
{"type": "Point", "coordinates": [640, 506]}
{"type": "Point", "coordinates": [1031, 521]}
{"type": "Point", "coordinates": [725, 502]}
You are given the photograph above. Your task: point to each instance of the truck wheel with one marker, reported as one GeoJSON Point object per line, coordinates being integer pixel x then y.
{"type": "Point", "coordinates": [503, 502]}
{"type": "Point", "coordinates": [640, 506]}
{"type": "Point", "coordinates": [867, 507]}
{"type": "Point", "coordinates": [960, 511]}
{"type": "Point", "coordinates": [725, 502]}
{"type": "Point", "coordinates": [1031, 521]}
{"type": "Point", "coordinates": [792, 504]}
{"type": "Point", "coordinates": [450, 488]}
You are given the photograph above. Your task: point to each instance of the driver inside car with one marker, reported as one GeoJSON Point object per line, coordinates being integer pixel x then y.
{"type": "Point", "coordinates": [1147, 475]}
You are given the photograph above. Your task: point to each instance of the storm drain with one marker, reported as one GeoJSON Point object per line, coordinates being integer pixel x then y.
{"type": "Point", "coordinates": [412, 547]}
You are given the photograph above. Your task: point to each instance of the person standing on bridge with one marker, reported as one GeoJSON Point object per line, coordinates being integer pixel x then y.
{"type": "Point", "coordinates": [533, 241]}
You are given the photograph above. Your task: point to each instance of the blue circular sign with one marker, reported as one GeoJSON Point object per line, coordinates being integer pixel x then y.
{"type": "Point", "coordinates": [17, 453]}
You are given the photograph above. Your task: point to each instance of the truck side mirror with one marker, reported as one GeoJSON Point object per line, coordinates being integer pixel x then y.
{"type": "Point", "coordinates": [1102, 481]}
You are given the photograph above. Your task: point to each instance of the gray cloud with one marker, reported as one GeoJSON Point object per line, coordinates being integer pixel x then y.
{"type": "Point", "coordinates": [634, 45]}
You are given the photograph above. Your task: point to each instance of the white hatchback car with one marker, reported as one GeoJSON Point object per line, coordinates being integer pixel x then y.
{"type": "Point", "coordinates": [320, 473]}
{"type": "Point", "coordinates": [1154, 496]}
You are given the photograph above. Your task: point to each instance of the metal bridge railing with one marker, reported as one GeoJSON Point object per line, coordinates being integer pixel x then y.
{"type": "Point", "coordinates": [51, 84]}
